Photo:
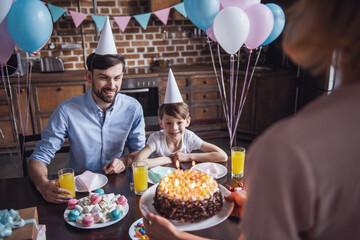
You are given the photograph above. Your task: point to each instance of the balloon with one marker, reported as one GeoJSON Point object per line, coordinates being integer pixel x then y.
{"type": "Point", "coordinates": [231, 27]}
{"type": "Point", "coordinates": [30, 24]}
{"type": "Point", "coordinates": [261, 24]}
{"type": "Point", "coordinates": [210, 33]}
{"type": "Point", "coordinates": [7, 45]}
{"type": "Point", "coordinates": [238, 3]}
{"type": "Point", "coordinates": [4, 9]}
{"type": "Point", "coordinates": [202, 12]}
{"type": "Point", "coordinates": [279, 22]}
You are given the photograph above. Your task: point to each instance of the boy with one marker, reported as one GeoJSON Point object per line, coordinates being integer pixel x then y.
{"type": "Point", "coordinates": [174, 141]}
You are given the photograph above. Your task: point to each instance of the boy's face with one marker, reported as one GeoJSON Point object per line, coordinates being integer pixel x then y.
{"type": "Point", "coordinates": [173, 127]}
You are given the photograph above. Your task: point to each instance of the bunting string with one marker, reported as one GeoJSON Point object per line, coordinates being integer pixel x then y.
{"type": "Point", "coordinates": [122, 21]}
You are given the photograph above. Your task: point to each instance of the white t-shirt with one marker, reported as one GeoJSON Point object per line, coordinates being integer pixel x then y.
{"type": "Point", "coordinates": [157, 143]}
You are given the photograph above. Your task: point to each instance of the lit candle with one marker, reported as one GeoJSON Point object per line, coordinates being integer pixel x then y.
{"type": "Point", "coordinates": [177, 165]}
{"type": "Point", "coordinates": [193, 163]}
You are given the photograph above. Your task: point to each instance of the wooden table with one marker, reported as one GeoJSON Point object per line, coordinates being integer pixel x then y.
{"type": "Point", "coordinates": [20, 193]}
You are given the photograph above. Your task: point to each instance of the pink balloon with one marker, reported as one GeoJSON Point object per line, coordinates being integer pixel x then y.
{"type": "Point", "coordinates": [7, 45]}
{"type": "Point", "coordinates": [210, 33]}
{"type": "Point", "coordinates": [238, 3]}
{"type": "Point", "coordinates": [261, 24]}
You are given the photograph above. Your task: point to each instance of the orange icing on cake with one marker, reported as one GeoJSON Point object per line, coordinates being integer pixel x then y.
{"type": "Point", "coordinates": [188, 185]}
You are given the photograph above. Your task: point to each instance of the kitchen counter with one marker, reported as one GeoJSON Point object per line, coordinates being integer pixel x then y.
{"type": "Point", "coordinates": [79, 75]}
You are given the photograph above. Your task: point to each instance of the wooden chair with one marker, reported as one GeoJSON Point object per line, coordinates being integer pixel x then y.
{"type": "Point", "coordinates": [26, 148]}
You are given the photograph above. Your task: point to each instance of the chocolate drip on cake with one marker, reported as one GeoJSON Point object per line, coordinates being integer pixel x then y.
{"type": "Point", "coordinates": [188, 211]}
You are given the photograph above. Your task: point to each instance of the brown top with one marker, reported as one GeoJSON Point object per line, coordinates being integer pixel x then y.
{"type": "Point", "coordinates": [303, 175]}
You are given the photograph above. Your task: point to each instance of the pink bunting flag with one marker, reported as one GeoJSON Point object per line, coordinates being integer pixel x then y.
{"type": "Point", "coordinates": [163, 15]}
{"type": "Point", "coordinates": [122, 22]}
{"type": "Point", "coordinates": [77, 17]}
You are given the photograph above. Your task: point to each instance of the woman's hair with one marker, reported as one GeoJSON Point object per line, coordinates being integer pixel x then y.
{"type": "Point", "coordinates": [178, 110]}
{"type": "Point", "coordinates": [322, 32]}
{"type": "Point", "coordinates": [102, 62]}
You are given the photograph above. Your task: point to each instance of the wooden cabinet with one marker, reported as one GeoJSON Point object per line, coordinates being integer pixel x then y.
{"type": "Point", "coordinates": [199, 90]}
{"type": "Point", "coordinates": [32, 107]}
{"type": "Point", "coordinates": [271, 97]}
{"type": "Point", "coordinates": [48, 96]}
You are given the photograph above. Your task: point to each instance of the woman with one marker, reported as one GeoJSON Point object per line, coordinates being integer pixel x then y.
{"type": "Point", "coordinates": [311, 159]}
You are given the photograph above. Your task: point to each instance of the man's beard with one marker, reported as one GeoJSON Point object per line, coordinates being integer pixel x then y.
{"type": "Point", "coordinates": [107, 99]}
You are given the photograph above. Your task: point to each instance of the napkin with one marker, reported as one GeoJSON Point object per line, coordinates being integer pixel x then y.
{"type": "Point", "coordinates": [157, 173]}
{"type": "Point", "coordinates": [87, 181]}
{"type": "Point", "coordinates": [211, 168]}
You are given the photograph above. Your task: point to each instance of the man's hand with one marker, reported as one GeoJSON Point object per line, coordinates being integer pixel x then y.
{"type": "Point", "coordinates": [182, 157]}
{"type": "Point", "coordinates": [117, 165]}
{"type": "Point", "coordinates": [52, 193]}
{"type": "Point", "coordinates": [239, 197]}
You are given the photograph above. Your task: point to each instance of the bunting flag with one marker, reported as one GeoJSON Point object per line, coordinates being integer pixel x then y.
{"type": "Point", "coordinates": [122, 22]}
{"type": "Point", "coordinates": [143, 19]}
{"type": "Point", "coordinates": [99, 21]}
{"type": "Point", "coordinates": [56, 12]}
{"type": "Point", "coordinates": [181, 9]}
{"type": "Point", "coordinates": [77, 17]}
{"type": "Point", "coordinates": [163, 15]}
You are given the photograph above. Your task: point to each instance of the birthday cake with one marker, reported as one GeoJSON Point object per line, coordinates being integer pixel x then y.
{"type": "Point", "coordinates": [188, 196]}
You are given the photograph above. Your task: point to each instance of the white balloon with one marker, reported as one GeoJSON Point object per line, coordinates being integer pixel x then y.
{"type": "Point", "coordinates": [4, 9]}
{"type": "Point", "coordinates": [238, 3]}
{"type": "Point", "coordinates": [231, 28]}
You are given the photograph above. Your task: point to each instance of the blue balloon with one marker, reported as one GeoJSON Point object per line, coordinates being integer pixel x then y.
{"type": "Point", "coordinates": [202, 12]}
{"type": "Point", "coordinates": [30, 24]}
{"type": "Point", "coordinates": [279, 22]}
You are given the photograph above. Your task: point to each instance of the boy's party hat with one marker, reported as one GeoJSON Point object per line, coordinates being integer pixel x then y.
{"type": "Point", "coordinates": [106, 43]}
{"type": "Point", "coordinates": [172, 94]}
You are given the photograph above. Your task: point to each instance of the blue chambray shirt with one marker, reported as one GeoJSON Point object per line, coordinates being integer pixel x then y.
{"type": "Point", "coordinates": [94, 141]}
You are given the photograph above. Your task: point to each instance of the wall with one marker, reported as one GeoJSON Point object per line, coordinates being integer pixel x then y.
{"type": "Point", "coordinates": [139, 46]}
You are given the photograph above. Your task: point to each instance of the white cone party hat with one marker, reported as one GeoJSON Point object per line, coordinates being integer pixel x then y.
{"type": "Point", "coordinates": [106, 43]}
{"type": "Point", "coordinates": [172, 94]}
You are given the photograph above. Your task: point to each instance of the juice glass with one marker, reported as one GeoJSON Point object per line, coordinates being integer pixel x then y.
{"type": "Point", "coordinates": [67, 180]}
{"type": "Point", "coordinates": [237, 161]}
{"type": "Point", "coordinates": [140, 172]}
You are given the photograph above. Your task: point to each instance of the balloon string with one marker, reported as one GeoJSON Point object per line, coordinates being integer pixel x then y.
{"type": "Point", "coordinates": [232, 60]}
{"type": "Point", "coordinates": [19, 99]}
{"type": "Point", "coordinates": [217, 77]}
{"type": "Point", "coordinates": [28, 85]}
{"type": "Point", "coordinates": [242, 92]}
{"type": "Point", "coordinates": [10, 109]}
{"type": "Point", "coordinates": [236, 81]}
{"type": "Point", "coordinates": [223, 87]}
{"type": "Point", "coordinates": [248, 87]}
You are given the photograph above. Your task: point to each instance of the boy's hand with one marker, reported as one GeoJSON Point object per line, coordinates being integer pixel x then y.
{"type": "Point", "coordinates": [182, 157]}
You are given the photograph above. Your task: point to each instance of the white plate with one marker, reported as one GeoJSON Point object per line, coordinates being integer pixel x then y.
{"type": "Point", "coordinates": [102, 181]}
{"type": "Point", "coordinates": [96, 225]}
{"type": "Point", "coordinates": [151, 181]}
{"type": "Point", "coordinates": [148, 199]}
{"type": "Point", "coordinates": [132, 229]}
{"type": "Point", "coordinates": [222, 170]}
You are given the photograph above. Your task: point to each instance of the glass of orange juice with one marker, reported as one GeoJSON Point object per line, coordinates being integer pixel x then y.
{"type": "Point", "coordinates": [140, 172]}
{"type": "Point", "coordinates": [237, 161]}
{"type": "Point", "coordinates": [67, 180]}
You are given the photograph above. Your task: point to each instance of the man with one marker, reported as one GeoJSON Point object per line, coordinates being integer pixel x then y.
{"type": "Point", "coordinates": [97, 124]}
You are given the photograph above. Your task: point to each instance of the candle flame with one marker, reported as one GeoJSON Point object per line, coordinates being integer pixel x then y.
{"type": "Point", "coordinates": [192, 185]}
{"type": "Point", "coordinates": [203, 185]}
{"type": "Point", "coordinates": [176, 182]}
{"type": "Point", "coordinates": [193, 163]}
{"type": "Point", "coordinates": [177, 164]}
{"type": "Point", "coordinates": [168, 171]}
{"type": "Point", "coordinates": [207, 171]}
{"type": "Point", "coordinates": [166, 179]}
